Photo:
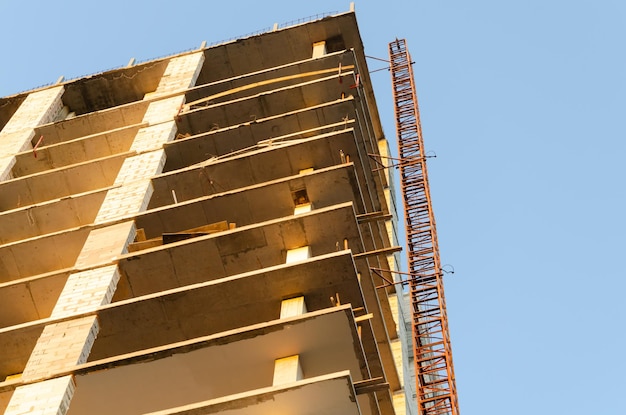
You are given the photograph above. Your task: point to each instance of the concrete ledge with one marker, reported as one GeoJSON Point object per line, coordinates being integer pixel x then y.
{"type": "Point", "coordinates": [59, 183]}
{"type": "Point", "coordinates": [236, 251]}
{"type": "Point", "coordinates": [210, 367]}
{"type": "Point", "coordinates": [55, 155]}
{"type": "Point", "coordinates": [224, 304]}
{"type": "Point", "coordinates": [255, 168]}
{"type": "Point", "coordinates": [327, 394]}
{"type": "Point", "coordinates": [255, 203]}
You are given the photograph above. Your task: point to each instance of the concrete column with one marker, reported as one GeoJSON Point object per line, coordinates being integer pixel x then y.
{"type": "Point", "coordinates": [134, 191]}
{"type": "Point", "coordinates": [298, 254]}
{"type": "Point", "coordinates": [303, 208]}
{"type": "Point", "coordinates": [134, 187]}
{"type": "Point", "coordinates": [86, 291]}
{"type": "Point", "coordinates": [51, 397]}
{"type": "Point", "coordinates": [64, 345]}
{"type": "Point", "coordinates": [60, 347]}
{"type": "Point", "coordinates": [106, 244]}
{"type": "Point", "coordinates": [292, 307]}
{"type": "Point", "coordinates": [319, 49]}
{"type": "Point", "coordinates": [287, 370]}
{"type": "Point", "coordinates": [181, 73]}
{"type": "Point", "coordinates": [38, 108]}
{"type": "Point", "coordinates": [153, 137]}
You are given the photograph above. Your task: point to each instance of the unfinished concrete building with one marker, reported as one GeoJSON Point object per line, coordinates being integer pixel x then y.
{"type": "Point", "coordinates": [198, 233]}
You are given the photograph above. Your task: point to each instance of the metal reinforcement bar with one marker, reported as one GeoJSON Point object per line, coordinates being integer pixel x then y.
{"type": "Point", "coordinates": [436, 389]}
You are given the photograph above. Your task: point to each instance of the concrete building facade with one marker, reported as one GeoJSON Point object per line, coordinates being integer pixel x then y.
{"type": "Point", "coordinates": [207, 232]}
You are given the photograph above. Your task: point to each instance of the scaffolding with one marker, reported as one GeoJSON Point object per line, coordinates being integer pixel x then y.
{"type": "Point", "coordinates": [436, 389]}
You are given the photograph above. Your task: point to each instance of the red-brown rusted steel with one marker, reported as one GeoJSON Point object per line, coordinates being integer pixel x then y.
{"type": "Point", "coordinates": [436, 389]}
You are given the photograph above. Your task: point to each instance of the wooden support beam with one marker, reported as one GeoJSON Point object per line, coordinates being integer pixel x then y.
{"type": "Point", "coordinates": [382, 251]}
{"type": "Point", "coordinates": [370, 385]}
{"type": "Point", "coordinates": [287, 370]}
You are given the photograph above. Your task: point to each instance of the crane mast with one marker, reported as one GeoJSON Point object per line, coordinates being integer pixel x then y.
{"type": "Point", "coordinates": [436, 389]}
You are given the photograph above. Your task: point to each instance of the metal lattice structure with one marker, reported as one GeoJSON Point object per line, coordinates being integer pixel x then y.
{"type": "Point", "coordinates": [436, 389]}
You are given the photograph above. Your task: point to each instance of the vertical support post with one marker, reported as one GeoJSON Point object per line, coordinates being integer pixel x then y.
{"type": "Point", "coordinates": [292, 307]}
{"type": "Point", "coordinates": [68, 343]}
{"type": "Point", "coordinates": [287, 370]}
{"type": "Point", "coordinates": [298, 254]}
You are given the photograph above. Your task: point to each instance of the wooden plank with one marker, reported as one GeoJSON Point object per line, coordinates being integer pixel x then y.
{"type": "Point", "coordinates": [141, 245]}
{"type": "Point", "coordinates": [141, 235]}
{"type": "Point", "coordinates": [171, 237]}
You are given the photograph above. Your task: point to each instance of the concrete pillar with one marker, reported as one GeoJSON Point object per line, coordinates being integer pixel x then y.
{"type": "Point", "coordinates": [38, 108]}
{"type": "Point", "coordinates": [86, 291]}
{"type": "Point", "coordinates": [298, 254]}
{"type": "Point", "coordinates": [292, 307]}
{"type": "Point", "coordinates": [399, 403]}
{"type": "Point", "coordinates": [181, 73]}
{"type": "Point", "coordinates": [106, 244]}
{"type": "Point", "coordinates": [60, 347]}
{"type": "Point", "coordinates": [51, 397]}
{"type": "Point", "coordinates": [63, 345]}
{"type": "Point", "coordinates": [303, 208]}
{"type": "Point", "coordinates": [287, 370]}
{"type": "Point", "coordinates": [135, 189]}
{"type": "Point", "coordinates": [319, 49]}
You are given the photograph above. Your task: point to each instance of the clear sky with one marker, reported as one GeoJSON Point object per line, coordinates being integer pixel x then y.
{"type": "Point", "coordinates": [520, 100]}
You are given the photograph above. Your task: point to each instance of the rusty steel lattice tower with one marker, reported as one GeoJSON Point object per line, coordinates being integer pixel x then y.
{"type": "Point", "coordinates": [436, 389]}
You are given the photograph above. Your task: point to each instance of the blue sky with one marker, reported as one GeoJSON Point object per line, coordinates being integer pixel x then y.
{"type": "Point", "coordinates": [521, 102]}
